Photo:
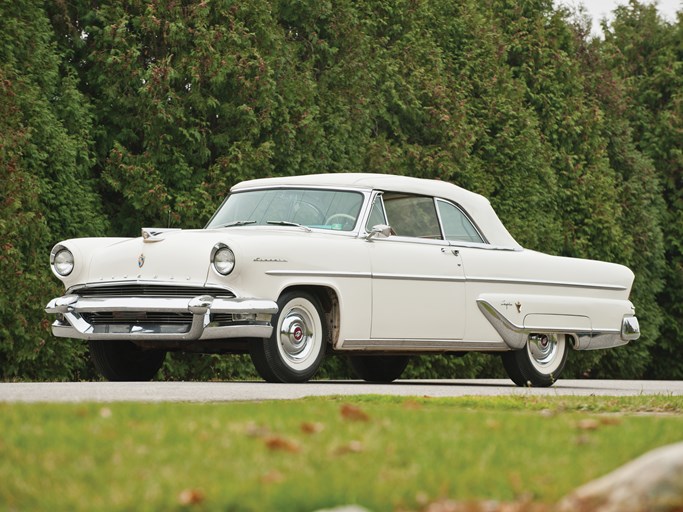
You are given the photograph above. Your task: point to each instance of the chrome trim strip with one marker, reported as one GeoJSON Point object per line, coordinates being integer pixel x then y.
{"type": "Point", "coordinates": [513, 335]}
{"type": "Point", "coordinates": [367, 275]}
{"type": "Point", "coordinates": [145, 282]}
{"type": "Point", "coordinates": [417, 277]}
{"type": "Point", "coordinates": [484, 246]}
{"type": "Point", "coordinates": [500, 280]}
{"type": "Point", "coordinates": [317, 273]}
{"type": "Point", "coordinates": [430, 345]}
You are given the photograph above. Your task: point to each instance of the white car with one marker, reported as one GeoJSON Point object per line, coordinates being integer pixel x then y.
{"type": "Point", "coordinates": [377, 267]}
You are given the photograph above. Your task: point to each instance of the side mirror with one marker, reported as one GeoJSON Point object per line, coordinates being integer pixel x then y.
{"type": "Point", "coordinates": [379, 231]}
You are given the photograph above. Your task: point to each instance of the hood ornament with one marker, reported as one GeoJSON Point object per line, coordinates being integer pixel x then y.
{"type": "Point", "coordinates": [141, 260]}
{"type": "Point", "coordinates": [151, 235]}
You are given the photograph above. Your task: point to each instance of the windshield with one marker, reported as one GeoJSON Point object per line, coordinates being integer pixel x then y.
{"type": "Point", "coordinates": [323, 209]}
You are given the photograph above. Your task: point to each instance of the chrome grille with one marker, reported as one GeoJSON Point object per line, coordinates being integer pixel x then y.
{"type": "Point", "coordinates": [221, 318]}
{"type": "Point", "coordinates": [137, 318]}
{"type": "Point", "coordinates": [151, 290]}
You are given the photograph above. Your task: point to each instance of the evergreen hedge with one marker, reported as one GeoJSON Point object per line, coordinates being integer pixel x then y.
{"type": "Point", "coordinates": [117, 114]}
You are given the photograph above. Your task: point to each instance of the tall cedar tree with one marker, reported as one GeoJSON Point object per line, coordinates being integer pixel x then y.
{"type": "Point", "coordinates": [646, 52]}
{"type": "Point", "coordinates": [46, 193]}
{"type": "Point", "coordinates": [165, 104]}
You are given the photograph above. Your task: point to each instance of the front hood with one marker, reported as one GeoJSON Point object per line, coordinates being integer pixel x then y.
{"type": "Point", "coordinates": [178, 256]}
{"type": "Point", "coordinates": [183, 257]}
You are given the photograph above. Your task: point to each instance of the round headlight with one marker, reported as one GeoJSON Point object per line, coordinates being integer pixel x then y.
{"type": "Point", "coordinates": [223, 260]}
{"type": "Point", "coordinates": [63, 262]}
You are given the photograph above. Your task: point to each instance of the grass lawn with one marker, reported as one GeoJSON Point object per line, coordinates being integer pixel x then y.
{"type": "Point", "coordinates": [384, 453]}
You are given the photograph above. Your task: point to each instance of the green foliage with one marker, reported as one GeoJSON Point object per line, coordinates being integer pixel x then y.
{"type": "Point", "coordinates": [646, 53]}
{"type": "Point", "coordinates": [185, 366]}
{"type": "Point", "coordinates": [46, 192]}
{"type": "Point", "coordinates": [123, 114]}
{"type": "Point", "coordinates": [293, 455]}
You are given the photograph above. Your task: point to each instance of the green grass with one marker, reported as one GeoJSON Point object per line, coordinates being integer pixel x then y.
{"type": "Point", "coordinates": [255, 456]}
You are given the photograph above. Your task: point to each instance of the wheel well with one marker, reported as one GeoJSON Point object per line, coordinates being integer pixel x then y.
{"type": "Point", "coordinates": [330, 304]}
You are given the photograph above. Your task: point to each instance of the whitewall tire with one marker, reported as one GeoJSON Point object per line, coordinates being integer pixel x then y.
{"type": "Point", "coordinates": [295, 350]}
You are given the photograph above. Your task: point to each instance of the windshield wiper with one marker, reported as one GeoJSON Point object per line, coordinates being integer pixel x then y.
{"type": "Point", "coordinates": [236, 223]}
{"type": "Point", "coordinates": [288, 223]}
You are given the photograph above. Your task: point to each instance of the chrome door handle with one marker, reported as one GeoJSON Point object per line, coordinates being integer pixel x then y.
{"type": "Point", "coordinates": [455, 252]}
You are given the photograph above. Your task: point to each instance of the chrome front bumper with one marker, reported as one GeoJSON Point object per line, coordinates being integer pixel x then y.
{"type": "Point", "coordinates": [250, 318]}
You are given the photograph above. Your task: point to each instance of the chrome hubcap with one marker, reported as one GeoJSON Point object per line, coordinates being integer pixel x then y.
{"type": "Point", "coordinates": [296, 334]}
{"type": "Point", "coordinates": [543, 348]}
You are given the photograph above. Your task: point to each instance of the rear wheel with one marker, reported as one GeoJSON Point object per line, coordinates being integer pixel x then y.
{"type": "Point", "coordinates": [295, 350]}
{"type": "Point", "coordinates": [540, 362]}
{"type": "Point", "coordinates": [378, 368]}
{"type": "Point", "coordinates": [125, 361]}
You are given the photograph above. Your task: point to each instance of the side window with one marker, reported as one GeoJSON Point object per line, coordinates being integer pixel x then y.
{"type": "Point", "coordinates": [412, 215]}
{"type": "Point", "coordinates": [376, 214]}
{"type": "Point", "coordinates": [456, 225]}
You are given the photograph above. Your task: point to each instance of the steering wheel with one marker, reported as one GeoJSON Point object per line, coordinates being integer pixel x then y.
{"type": "Point", "coordinates": [299, 213]}
{"type": "Point", "coordinates": [344, 216]}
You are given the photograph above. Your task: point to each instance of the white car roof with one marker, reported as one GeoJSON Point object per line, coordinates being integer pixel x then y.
{"type": "Point", "coordinates": [477, 206]}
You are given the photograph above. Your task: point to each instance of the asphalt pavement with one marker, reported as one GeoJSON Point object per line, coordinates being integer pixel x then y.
{"type": "Point", "coordinates": [249, 391]}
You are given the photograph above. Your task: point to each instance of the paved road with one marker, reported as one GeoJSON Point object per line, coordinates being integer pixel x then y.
{"type": "Point", "coordinates": [239, 391]}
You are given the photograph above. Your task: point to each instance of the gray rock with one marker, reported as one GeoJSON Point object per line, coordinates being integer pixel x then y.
{"type": "Point", "coordinates": [650, 483]}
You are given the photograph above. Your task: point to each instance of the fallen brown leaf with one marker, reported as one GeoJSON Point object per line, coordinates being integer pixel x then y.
{"type": "Point", "coordinates": [588, 424]}
{"type": "Point", "coordinates": [189, 497]}
{"type": "Point", "coordinates": [353, 413]}
{"type": "Point", "coordinates": [610, 420]}
{"type": "Point", "coordinates": [308, 427]}
{"type": "Point", "coordinates": [273, 477]}
{"type": "Point", "coordinates": [412, 405]}
{"type": "Point", "coordinates": [278, 443]}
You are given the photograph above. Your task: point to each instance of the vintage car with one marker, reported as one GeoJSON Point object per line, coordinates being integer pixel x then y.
{"type": "Point", "coordinates": [376, 267]}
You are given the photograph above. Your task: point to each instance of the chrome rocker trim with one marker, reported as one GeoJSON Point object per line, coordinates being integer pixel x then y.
{"type": "Point", "coordinates": [70, 323]}
{"type": "Point", "coordinates": [516, 336]}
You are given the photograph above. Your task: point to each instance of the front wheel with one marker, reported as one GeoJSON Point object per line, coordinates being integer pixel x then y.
{"type": "Point", "coordinates": [378, 368]}
{"type": "Point", "coordinates": [295, 350]}
{"type": "Point", "coordinates": [125, 361]}
{"type": "Point", "coordinates": [540, 362]}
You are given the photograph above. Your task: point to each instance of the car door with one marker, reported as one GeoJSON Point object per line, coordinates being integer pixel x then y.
{"type": "Point", "coordinates": [418, 284]}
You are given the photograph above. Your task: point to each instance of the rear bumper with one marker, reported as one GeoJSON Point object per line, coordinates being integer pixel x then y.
{"type": "Point", "coordinates": [161, 318]}
{"type": "Point", "coordinates": [515, 336]}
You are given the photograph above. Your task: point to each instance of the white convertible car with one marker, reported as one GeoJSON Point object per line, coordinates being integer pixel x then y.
{"type": "Point", "coordinates": [376, 267]}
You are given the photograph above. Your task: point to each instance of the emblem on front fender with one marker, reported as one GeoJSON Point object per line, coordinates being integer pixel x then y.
{"type": "Point", "coordinates": [141, 260]}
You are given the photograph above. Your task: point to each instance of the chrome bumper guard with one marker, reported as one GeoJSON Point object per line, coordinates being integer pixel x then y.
{"type": "Point", "coordinates": [630, 328]}
{"type": "Point", "coordinates": [254, 316]}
